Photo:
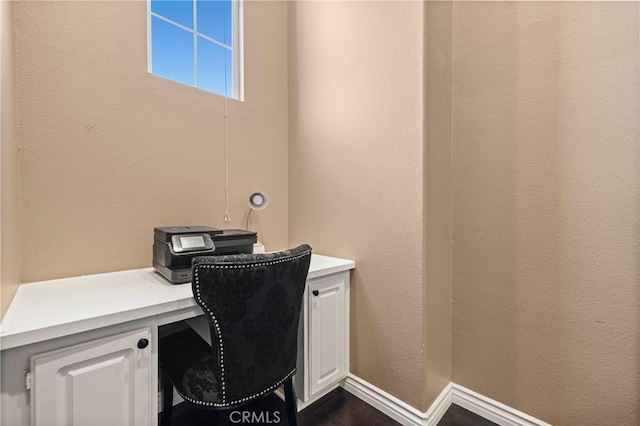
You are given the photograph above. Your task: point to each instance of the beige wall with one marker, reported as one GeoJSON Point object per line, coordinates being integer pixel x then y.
{"type": "Point", "coordinates": [541, 165]}
{"type": "Point", "coordinates": [9, 244]}
{"type": "Point", "coordinates": [545, 178]}
{"type": "Point", "coordinates": [355, 177]}
{"type": "Point", "coordinates": [438, 197]}
{"type": "Point", "coordinates": [109, 151]}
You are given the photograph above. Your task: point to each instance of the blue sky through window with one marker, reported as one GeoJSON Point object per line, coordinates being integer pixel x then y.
{"type": "Point", "coordinates": [172, 51]}
{"type": "Point", "coordinates": [211, 76]}
{"type": "Point", "coordinates": [198, 53]}
{"type": "Point", "coordinates": [214, 18]}
{"type": "Point", "coordinates": [180, 11]}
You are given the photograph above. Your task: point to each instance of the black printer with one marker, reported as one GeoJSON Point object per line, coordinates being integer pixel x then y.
{"type": "Point", "coordinates": [175, 246]}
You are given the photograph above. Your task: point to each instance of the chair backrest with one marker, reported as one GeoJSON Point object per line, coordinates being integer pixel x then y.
{"type": "Point", "coordinates": [253, 304]}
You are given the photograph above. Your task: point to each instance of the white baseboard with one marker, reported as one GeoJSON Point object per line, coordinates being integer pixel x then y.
{"type": "Point", "coordinates": [409, 416]}
{"type": "Point", "coordinates": [440, 406]}
{"type": "Point", "coordinates": [491, 409]}
{"type": "Point", "coordinates": [396, 409]}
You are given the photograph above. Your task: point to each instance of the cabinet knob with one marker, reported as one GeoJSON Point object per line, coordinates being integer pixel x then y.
{"type": "Point", "coordinates": [143, 343]}
{"type": "Point", "coordinates": [315, 292]}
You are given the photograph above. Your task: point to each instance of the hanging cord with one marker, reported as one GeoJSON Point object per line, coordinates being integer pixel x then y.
{"type": "Point", "coordinates": [227, 219]}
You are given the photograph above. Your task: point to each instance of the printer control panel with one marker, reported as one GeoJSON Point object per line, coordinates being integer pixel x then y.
{"type": "Point", "coordinates": [191, 242]}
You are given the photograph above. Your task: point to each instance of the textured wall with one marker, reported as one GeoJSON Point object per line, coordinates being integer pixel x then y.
{"type": "Point", "coordinates": [355, 176]}
{"type": "Point", "coordinates": [438, 197]}
{"type": "Point", "coordinates": [546, 143]}
{"type": "Point", "coordinates": [109, 151]}
{"type": "Point", "coordinates": [9, 244]}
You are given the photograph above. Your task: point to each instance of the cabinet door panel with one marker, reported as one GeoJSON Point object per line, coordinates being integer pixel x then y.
{"type": "Point", "coordinates": [92, 380]}
{"type": "Point", "coordinates": [103, 382]}
{"type": "Point", "coordinates": [327, 334]}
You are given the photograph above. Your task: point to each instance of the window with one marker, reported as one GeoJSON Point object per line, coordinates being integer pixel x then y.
{"type": "Point", "coordinates": [197, 42]}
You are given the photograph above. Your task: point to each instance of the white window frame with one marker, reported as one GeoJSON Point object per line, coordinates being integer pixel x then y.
{"type": "Point", "coordinates": [236, 48]}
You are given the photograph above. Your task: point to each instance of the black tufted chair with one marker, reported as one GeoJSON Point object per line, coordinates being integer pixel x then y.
{"type": "Point", "coordinates": [252, 303]}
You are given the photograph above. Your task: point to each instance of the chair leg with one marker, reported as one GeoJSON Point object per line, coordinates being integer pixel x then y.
{"type": "Point", "coordinates": [291, 401]}
{"type": "Point", "coordinates": [167, 400]}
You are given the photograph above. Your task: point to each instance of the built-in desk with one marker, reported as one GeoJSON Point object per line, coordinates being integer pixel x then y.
{"type": "Point", "coordinates": [50, 320]}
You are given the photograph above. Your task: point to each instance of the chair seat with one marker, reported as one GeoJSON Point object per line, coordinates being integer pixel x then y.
{"type": "Point", "coordinates": [190, 364]}
{"type": "Point", "coordinates": [199, 384]}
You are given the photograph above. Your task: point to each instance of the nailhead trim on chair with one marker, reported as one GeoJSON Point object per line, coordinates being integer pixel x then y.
{"type": "Point", "coordinates": [215, 322]}
{"type": "Point", "coordinates": [228, 404]}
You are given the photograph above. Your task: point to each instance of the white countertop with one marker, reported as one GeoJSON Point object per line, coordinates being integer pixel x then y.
{"type": "Point", "coordinates": [49, 309]}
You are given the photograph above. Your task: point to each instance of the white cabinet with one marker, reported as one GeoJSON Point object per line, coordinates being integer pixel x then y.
{"type": "Point", "coordinates": [327, 323]}
{"type": "Point", "coordinates": [83, 356]}
{"type": "Point", "coordinates": [102, 382]}
{"type": "Point", "coordinates": [324, 336]}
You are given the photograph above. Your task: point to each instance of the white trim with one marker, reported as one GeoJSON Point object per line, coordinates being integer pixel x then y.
{"type": "Point", "coordinates": [237, 51]}
{"type": "Point", "coordinates": [193, 30]}
{"type": "Point", "coordinates": [390, 405]}
{"type": "Point", "coordinates": [491, 409]}
{"type": "Point", "coordinates": [214, 41]}
{"type": "Point", "coordinates": [172, 22]}
{"type": "Point", "coordinates": [402, 412]}
{"type": "Point", "coordinates": [439, 407]}
{"type": "Point", "coordinates": [149, 58]}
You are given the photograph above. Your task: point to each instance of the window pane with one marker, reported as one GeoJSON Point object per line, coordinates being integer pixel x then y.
{"type": "Point", "coordinates": [213, 59]}
{"type": "Point", "coordinates": [180, 11]}
{"type": "Point", "coordinates": [171, 51]}
{"type": "Point", "coordinates": [214, 19]}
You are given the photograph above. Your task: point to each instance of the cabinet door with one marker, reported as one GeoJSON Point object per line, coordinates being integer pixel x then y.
{"type": "Point", "coordinates": [327, 332]}
{"type": "Point", "coordinates": [102, 382]}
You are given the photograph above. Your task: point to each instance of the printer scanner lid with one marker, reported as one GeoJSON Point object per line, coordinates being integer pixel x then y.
{"type": "Point", "coordinates": [165, 233]}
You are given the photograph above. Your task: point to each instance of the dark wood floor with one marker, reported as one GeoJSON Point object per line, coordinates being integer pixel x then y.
{"type": "Point", "coordinates": [458, 416]}
{"type": "Point", "coordinates": [339, 408]}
